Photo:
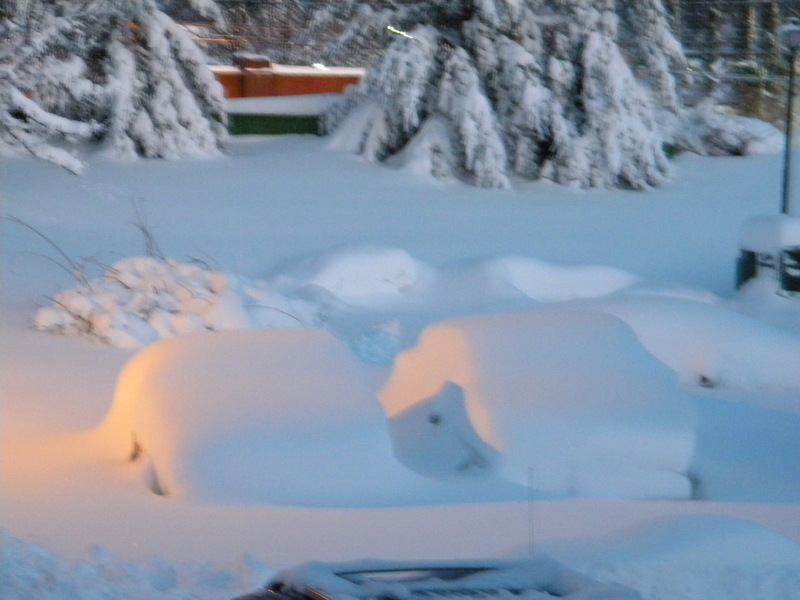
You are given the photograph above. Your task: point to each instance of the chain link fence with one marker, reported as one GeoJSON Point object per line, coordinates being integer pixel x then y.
{"type": "Point", "coordinates": [734, 46]}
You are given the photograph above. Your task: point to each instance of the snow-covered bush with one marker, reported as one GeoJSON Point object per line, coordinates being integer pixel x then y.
{"type": "Point", "coordinates": [119, 71]}
{"type": "Point", "coordinates": [580, 92]}
{"type": "Point", "coordinates": [142, 299]}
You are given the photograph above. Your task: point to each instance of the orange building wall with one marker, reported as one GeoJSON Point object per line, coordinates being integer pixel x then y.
{"type": "Point", "coordinates": [232, 81]}
{"type": "Point", "coordinates": [247, 83]}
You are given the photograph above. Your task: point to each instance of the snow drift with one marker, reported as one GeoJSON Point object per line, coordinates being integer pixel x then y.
{"type": "Point", "coordinates": [276, 416]}
{"type": "Point", "coordinates": [198, 405]}
{"type": "Point", "coordinates": [34, 571]}
{"type": "Point", "coordinates": [708, 343]}
{"type": "Point", "coordinates": [571, 397]}
{"type": "Point", "coordinates": [713, 558]}
{"type": "Point", "coordinates": [361, 275]}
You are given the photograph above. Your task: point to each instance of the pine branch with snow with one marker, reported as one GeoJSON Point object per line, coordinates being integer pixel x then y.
{"type": "Point", "coordinates": [470, 115]}
{"type": "Point", "coordinates": [121, 72]}
{"type": "Point", "coordinates": [490, 91]}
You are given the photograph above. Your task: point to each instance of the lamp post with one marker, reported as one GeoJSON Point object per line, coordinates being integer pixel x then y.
{"type": "Point", "coordinates": [789, 35]}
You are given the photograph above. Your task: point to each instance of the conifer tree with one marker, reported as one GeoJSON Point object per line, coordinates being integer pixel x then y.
{"type": "Point", "coordinates": [520, 89]}
{"type": "Point", "coordinates": [119, 71]}
{"type": "Point", "coordinates": [580, 92]}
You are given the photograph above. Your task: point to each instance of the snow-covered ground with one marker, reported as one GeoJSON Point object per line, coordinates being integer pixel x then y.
{"type": "Point", "coordinates": [360, 262]}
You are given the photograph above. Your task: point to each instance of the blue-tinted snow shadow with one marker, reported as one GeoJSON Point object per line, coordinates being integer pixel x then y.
{"type": "Point", "coordinates": [745, 453]}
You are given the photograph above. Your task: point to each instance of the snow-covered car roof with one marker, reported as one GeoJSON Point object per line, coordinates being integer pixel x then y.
{"type": "Point", "coordinates": [526, 579]}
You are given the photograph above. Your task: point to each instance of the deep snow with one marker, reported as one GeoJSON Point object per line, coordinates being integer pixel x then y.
{"type": "Point", "coordinates": [387, 255]}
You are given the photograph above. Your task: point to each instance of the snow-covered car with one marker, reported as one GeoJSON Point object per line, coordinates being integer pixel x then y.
{"type": "Point", "coordinates": [523, 579]}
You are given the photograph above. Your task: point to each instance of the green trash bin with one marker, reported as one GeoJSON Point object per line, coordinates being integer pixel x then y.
{"type": "Point", "coordinates": [746, 267]}
{"type": "Point", "coordinates": [789, 270]}
{"type": "Point", "coordinates": [770, 251]}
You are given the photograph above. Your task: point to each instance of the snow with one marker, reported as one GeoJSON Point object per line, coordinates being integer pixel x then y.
{"type": "Point", "coordinates": [380, 260]}
{"type": "Point", "coordinates": [360, 276]}
{"type": "Point", "coordinates": [710, 344]}
{"type": "Point", "coordinates": [570, 401]}
{"type": "Point", "coordinates": [531, 579]}
{"type": "Point", "coordinates": [305, 105]}
{"type": "Point", "coordinates": [33, 571]}
{"type": "Point", "coordinates": [771, 233]}
{"type": "Point", "coordinates": [198, 405]}
{"type": "Point", "coordinates": [705, 558]}
{"type": "Point", "coordinates": [550, 283]}
{"type": "Point", "coordinates": [318, 71]}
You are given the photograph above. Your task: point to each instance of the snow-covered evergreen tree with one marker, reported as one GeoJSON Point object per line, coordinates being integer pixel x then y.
{"type": "Point", "coordinates": [659, 52]}
{"type": "Point", "coordinates": [119, 71]}
{"type": "Point", "coordinates": [580, 92]}
{"type": "Point", "coordinates": [620, 141]}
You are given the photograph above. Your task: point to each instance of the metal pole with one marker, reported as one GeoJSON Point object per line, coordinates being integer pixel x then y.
{"type": "Point", "coordinates": [787, 150]}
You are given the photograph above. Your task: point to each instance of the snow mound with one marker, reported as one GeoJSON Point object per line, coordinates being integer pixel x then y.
{"type": "Point", "coordinates": [568, 400]}
{"type": "Point", "coordinates": [709, 344]}
{"type": "Point", "coordinates": [228, 412]}
{"type": "Point", "coordinates": [718, 134]}
{"type": "Point", "coordinates": [550, 283]}
{"type": "Point", "coordinates": [140, 300]}
{"type": "Point", "coordinates": [265, 416]}
{"type": "Point", "coordinates": [370, 276]}
{"type": "Point", "coordinates": [758, 299]}
{"type": "Point", "coordinates": [429, 154]}
{"type": "Point", "coordinates": [361, 275]}
{"type": "Point", "coordinates": [713, 558]}
{"type": "Point", "coordinates": [707, 541]}
{"type": "Point", "coordinates": [31, 571]}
